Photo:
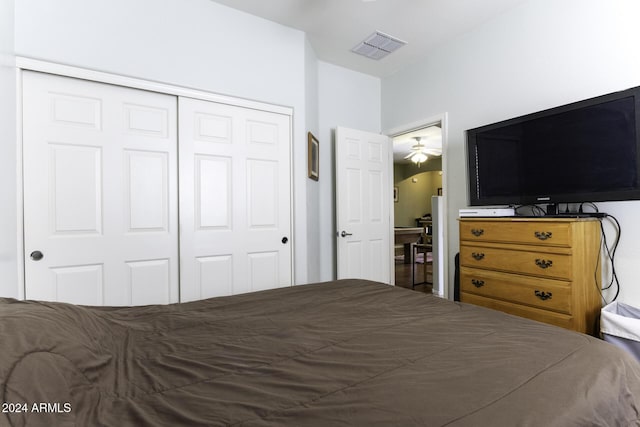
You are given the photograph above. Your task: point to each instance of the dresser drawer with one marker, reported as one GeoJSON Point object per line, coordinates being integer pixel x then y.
{"type": "Point", "coordinates": [546, 294]}
{"type": "Point", "coordinates": [530, 233]}
{"type": "Point", "coordinates": [542, 264]}
{"type": "Point", "coordinates": [547, 316]}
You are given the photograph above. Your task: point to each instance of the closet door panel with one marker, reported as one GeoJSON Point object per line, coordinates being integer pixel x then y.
{"type": "Point", "coordinates": [75, 189]}
{"type": "Point", "coordinates": [214, 275]}
{"type": "Point", "coordinates": [149, 281]}
{"type": "Point", "coordinates": [213, 190]}
{"type": "Point", "coordinates": [147, 191]}
{"type": "Point", "coordinates": [77, 284]}
{"type": "Point", "coordinates": [100, 192]}
{"type": "Point", "coordinates": [262, 194]}
{"type": "Point", "coordinates": [235, 199]}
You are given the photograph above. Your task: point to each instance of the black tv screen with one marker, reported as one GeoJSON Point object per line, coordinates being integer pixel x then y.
{"type": "Point", "coordinates": [587, 151]}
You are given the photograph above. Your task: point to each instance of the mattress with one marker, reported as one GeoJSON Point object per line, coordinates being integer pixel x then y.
{"type": "Point", "coordinates": [348, 353]}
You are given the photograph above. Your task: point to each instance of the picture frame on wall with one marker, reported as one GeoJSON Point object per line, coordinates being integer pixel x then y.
{"type": "Point", "coordinates": [313, 161]}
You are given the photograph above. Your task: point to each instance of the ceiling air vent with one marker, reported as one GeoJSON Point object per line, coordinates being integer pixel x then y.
{"type": "Point", "coordinates": [378, 45]}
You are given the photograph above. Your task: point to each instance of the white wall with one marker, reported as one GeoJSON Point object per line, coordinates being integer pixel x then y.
{"type": "Point", "coordinates": [542, 54]}
{"type": "Point", "coordinates": [8, 196]}
{"type": "Point", "coordinates": [207, 46]}
{"type": "Point", "coordinates": [414, 194]}
{"type": "Point", "coordinates": [195, 43]}
{"type": "Point", "coordinates": [350, 99]}
{"type": "Point", "coordinates": [313, 187]}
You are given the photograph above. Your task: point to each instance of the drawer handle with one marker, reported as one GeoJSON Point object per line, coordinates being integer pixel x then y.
{"type": "Point", "coordinates": [477, 283]}
{"type": "Point", "coordinates": [544, 263]}
{"type": "Point", "coordinates": [477, 232]}
{"type": "Point", "coordinates": [543, 235]}
{"type": "Point", "coordinates": [543, 295]}
{"type": "Point", "coordinates": [477, 255]}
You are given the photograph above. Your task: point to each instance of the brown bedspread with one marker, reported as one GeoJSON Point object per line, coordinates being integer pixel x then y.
{"type": "Point", "coordinates": [349, 353]}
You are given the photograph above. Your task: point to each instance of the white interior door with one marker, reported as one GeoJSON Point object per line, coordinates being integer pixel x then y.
{"type": "Point", "coordinates": [100, 193]}
{"type": "Point", "coordinates": [235, 199]}
{"type": "Point", "coordinates": [363, 205]}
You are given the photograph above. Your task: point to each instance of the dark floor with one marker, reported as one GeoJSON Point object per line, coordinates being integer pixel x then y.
{"type": "Point", "coordinates": [403, 276]}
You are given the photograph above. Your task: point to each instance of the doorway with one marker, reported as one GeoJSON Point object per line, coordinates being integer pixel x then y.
{"type": "Point", "coordinates": [418, 211]}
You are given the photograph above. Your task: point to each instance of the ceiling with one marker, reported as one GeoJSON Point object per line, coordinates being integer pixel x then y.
{"type": "Point", "coordinates": [334, 27]}
{"type": "Point", "coordinates": [430, 136]}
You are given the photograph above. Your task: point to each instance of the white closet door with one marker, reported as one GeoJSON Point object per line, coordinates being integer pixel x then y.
{"type": "Point", "coordinates": [100, 193]}
{"type": "Point", "coordinates": [235, 200]}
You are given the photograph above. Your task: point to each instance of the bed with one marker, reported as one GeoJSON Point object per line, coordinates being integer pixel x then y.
{"type": "Point", "coordinates": [347, 353]}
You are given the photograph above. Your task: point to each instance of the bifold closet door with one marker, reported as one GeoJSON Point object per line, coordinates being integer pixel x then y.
{"type": "Point", "coordinates": [235, 199]}
{"type": "Point", "coordinates": [100, 193]}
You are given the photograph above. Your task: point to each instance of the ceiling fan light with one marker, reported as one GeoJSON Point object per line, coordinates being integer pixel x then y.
{"type": "Point", "coordinates": [418, 158]}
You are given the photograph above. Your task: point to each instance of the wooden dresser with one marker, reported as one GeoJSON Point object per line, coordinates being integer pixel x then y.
{"type": "Point", "coordinates": [546, 269]}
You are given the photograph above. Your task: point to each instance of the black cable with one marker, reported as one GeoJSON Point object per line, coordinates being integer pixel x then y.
{"type": "Point", "coordinates": [606, 286]}
{"type": "Point", "coordinates": [538, 209]}
{"type": "Point", "coordinates": [535, 209]}
{"type": "Point", "coordinates": [596, 279]}
{"type": "Point", "coordinates": [613, 267]}
{"type": "Point", "coordinates": [611, 253]}
{"type": "Point", "coordinates": [593, 205]}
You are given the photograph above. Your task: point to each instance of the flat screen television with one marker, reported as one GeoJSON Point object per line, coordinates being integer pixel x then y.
{"type": "Point", "coordinates": [587, 151]}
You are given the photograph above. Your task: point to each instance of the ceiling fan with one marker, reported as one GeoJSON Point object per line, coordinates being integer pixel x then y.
{"type": "Point", "coordinates": [420, 152]}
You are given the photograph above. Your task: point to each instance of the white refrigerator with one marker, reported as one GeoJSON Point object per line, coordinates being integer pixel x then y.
{"type": "Point", "coordinates": [437, 241]}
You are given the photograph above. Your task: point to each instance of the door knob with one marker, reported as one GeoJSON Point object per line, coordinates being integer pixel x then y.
{"type": "Point", "coordinates": [36, 255]}
{"type": "Point", "coordinates": [345, 234]}
{"type": "Point", "coordinates": [285, 240]}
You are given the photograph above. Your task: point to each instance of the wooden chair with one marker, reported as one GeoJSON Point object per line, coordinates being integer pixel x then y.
{"type": "Point", "coordinates": [425, 247]}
